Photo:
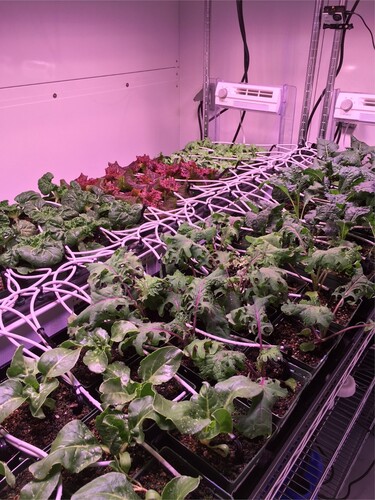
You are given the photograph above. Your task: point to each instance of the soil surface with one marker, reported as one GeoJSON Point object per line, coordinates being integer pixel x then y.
{"type": "Point", "coordinates": [242, 451]}
{"type": "Point", "coordinates": [286, 334]}
{"type": "Point", "coordinates": [41, 432]}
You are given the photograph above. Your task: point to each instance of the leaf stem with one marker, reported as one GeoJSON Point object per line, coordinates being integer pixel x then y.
{"type": "Point", "coordinates": [368, 325]}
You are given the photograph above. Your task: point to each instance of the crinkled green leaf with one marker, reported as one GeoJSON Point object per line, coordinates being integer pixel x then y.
{"type": "Point", "coordinates": [252, 317]}
{"type": "Point", "coordinates": [107, 309]}
{"type": "Point", "coordinates": [338, 259]}
{"type": "Point", "coordinates": [358, 287]}
{"type": "Point", "coordinates": [26, 228]}
{"type": "Point", "coordinates": [120, 329]}
{"type": "Point", "coordinates": [45, 184]}
{"type": "Point", "coordinates": [113, 429]}
{"type": "Point", "coordinates": [38, 399]}
{"type": "Point", "coordinates": [310, 314]}
{"type": "Point", "coordinates": [269, 282]}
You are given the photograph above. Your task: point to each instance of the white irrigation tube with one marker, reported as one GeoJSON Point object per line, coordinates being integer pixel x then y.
{"type": "Point", "coordinates": [12, 276]}
{"type": "Point", "coordinates": [151, 248]}
{"type": "Point", "coordinates": [185, 384]}
{"type": "Point", "coordinates": [256, 187]}
{"type": "Point", "coordinates": [100, 252]}
{"type": "Point", "coordinates": [266, 196]}
{"type": "Point", "coordinates": [59, 491]}
{"type": "Point", "coordinates": [227, 341]}
{"type": "Point", "coordinates": [21, 445]}
{"type": "Point", "coordinates": [25, 318]}
{"type": "Point", "coordinates": [81, 294]}
{"type": "Point", "coordinates": [217, 208]}
{"type": "Point", "coordinates": [11, 283]}
{"type": "Point", "coordinates": [41, 276]}
{"type": "Point", "coordinates": [109, 235]}
{"type": "Point", "coordinates": [19, 344]}
{"type": "Point", "coordinates": [58, 291]}
{"type": "Point", "coordinates": [18, 323]}
{"type": "Point", "coordinates": [79, 389]}
{"type": "Point", "coordinates": [22, 339]}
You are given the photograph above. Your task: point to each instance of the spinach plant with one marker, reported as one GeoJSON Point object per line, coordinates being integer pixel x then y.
{"type": "Point", "coordinates": [32, 382]}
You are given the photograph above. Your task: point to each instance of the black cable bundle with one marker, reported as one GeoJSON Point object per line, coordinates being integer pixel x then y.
{"type": "Point", "coordinates": [244, 78]}
{"type": "Point", "coordinates": [347, 20]}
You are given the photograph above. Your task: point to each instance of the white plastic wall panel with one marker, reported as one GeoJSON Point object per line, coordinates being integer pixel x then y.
{"type": "Point", "coordinates": [87, 125]}
{"type": "Point", "coordinates": [278, 37]}
{"type": "Point", "coordinates": [113, 69]}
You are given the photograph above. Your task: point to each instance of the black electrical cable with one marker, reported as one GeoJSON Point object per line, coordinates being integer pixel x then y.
{"type": "Point", "coordinates": [369, 30]}
{"type": "Point", "coordinates": [244, 78]}
{"type": "Point", "coordinates": [241, 22]}
{"type": "Point", "coordinates": [348, 17]}
{"type": "Point", "coordinates": [362, 476]}
{"type": "Point", "coordinates": [338, 132]}
{"type": "Point", "coordinates": [200, 113]}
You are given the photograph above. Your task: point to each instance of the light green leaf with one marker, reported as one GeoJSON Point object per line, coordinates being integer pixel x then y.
{"type": "Point", "coordinates": [96, 360]}
{"type": "Point", "coordinates": [187, 416]}
{"type": "Point", "coordinates": [37, 399]}
{"type": "Point", "coordinates": [120, 329]}
{"type": "Point", "coordinates": [179, 487]}
{"type": "Point", "coordinates": [21, 365]}
{"type": "Point", "coordinates": [58, 361]}
{"type": "Point", "coordinates": [10, 398]}
{"type": "Point", "coordinates": [161, 365]}
{"type": "Point", "coordinates": [8, 474]}
{"type": "Point", "coordinates": [238, 386]}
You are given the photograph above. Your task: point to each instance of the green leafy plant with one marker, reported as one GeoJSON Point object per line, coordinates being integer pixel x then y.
{"type": "Point", "coordinates": [156, 368]}
{"type": "Point", "coordinates": [213, 361]}
{"type": "Point", "coordinates": [313, 315]}
{"type": "Point", "coordinates": [344, 259]}
{"type": "Point", "coordinates": [32, 382]}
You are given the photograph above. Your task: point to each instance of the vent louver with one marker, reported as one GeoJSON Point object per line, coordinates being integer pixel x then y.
{"type": "Point", "coordinates": [369, 102]}
{"type": "Point", "coordinates": [248, 97]}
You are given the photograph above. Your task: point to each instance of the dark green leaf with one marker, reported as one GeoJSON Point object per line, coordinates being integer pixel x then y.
{"type": "Point", "coordinates": [111, 486]}
{"type": "Point", "coordinates": [75, 448]}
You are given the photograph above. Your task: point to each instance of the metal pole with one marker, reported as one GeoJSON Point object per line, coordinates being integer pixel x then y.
{"type": "Point", "coordinates": [335, 54]}
{"type": "Point", "coordinates": [206, 66]}
{"type": "Point", "coordinates": [310, 72]}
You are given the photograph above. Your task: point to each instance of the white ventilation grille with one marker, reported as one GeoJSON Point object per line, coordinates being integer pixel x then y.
{"type": "Point", "coordinates": [355, 107]}
{"type": "Point", "coordinates": [248, 97]}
